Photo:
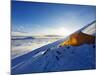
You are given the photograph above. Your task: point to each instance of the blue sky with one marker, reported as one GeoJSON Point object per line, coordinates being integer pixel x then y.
{"type": "Point", "coordinates": [45, 18]}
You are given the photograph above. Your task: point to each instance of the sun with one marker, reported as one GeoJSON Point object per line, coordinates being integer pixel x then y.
{"type": "Point", "coordinates": [62, 31]}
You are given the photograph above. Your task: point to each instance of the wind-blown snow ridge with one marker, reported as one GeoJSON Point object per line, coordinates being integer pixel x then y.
{"type": "Point", "coordinates": [91, 29]}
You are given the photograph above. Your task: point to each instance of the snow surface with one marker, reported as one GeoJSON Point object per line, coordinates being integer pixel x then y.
{"type": "Point", "coordinates": [91, 29]}
{"type": "Point", "coordinates": [51, 58]}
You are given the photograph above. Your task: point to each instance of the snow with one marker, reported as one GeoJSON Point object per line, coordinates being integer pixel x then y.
{"type": "Point", "coordinates": [51, 57]}
{"type": "Point", "coordinates": [60, 59]}
{"type": "Point", "coordinates": [90, 30]}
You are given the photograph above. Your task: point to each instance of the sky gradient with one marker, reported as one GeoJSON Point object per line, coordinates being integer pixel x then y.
{"type": "Point", "coordinates": [34, 18]}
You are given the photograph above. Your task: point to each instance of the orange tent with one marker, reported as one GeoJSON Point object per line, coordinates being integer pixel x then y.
{"type": "Point", "coordinates": [79, 38]}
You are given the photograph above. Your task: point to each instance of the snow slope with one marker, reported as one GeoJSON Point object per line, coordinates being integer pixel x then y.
{"type": "Point", "coordinates": [90, 29]}
{"type": "Point", "coordinates": [51, 57]}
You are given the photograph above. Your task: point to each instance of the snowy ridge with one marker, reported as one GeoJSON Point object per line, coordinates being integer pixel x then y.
{"type": "Point", "coordinates": [91, 29]}
{"type": "Point", "coordinates": [51, 57]}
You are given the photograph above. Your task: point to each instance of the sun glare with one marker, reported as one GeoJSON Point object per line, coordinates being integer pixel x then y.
{"type": "Point", "coordinates": [63, 31]}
